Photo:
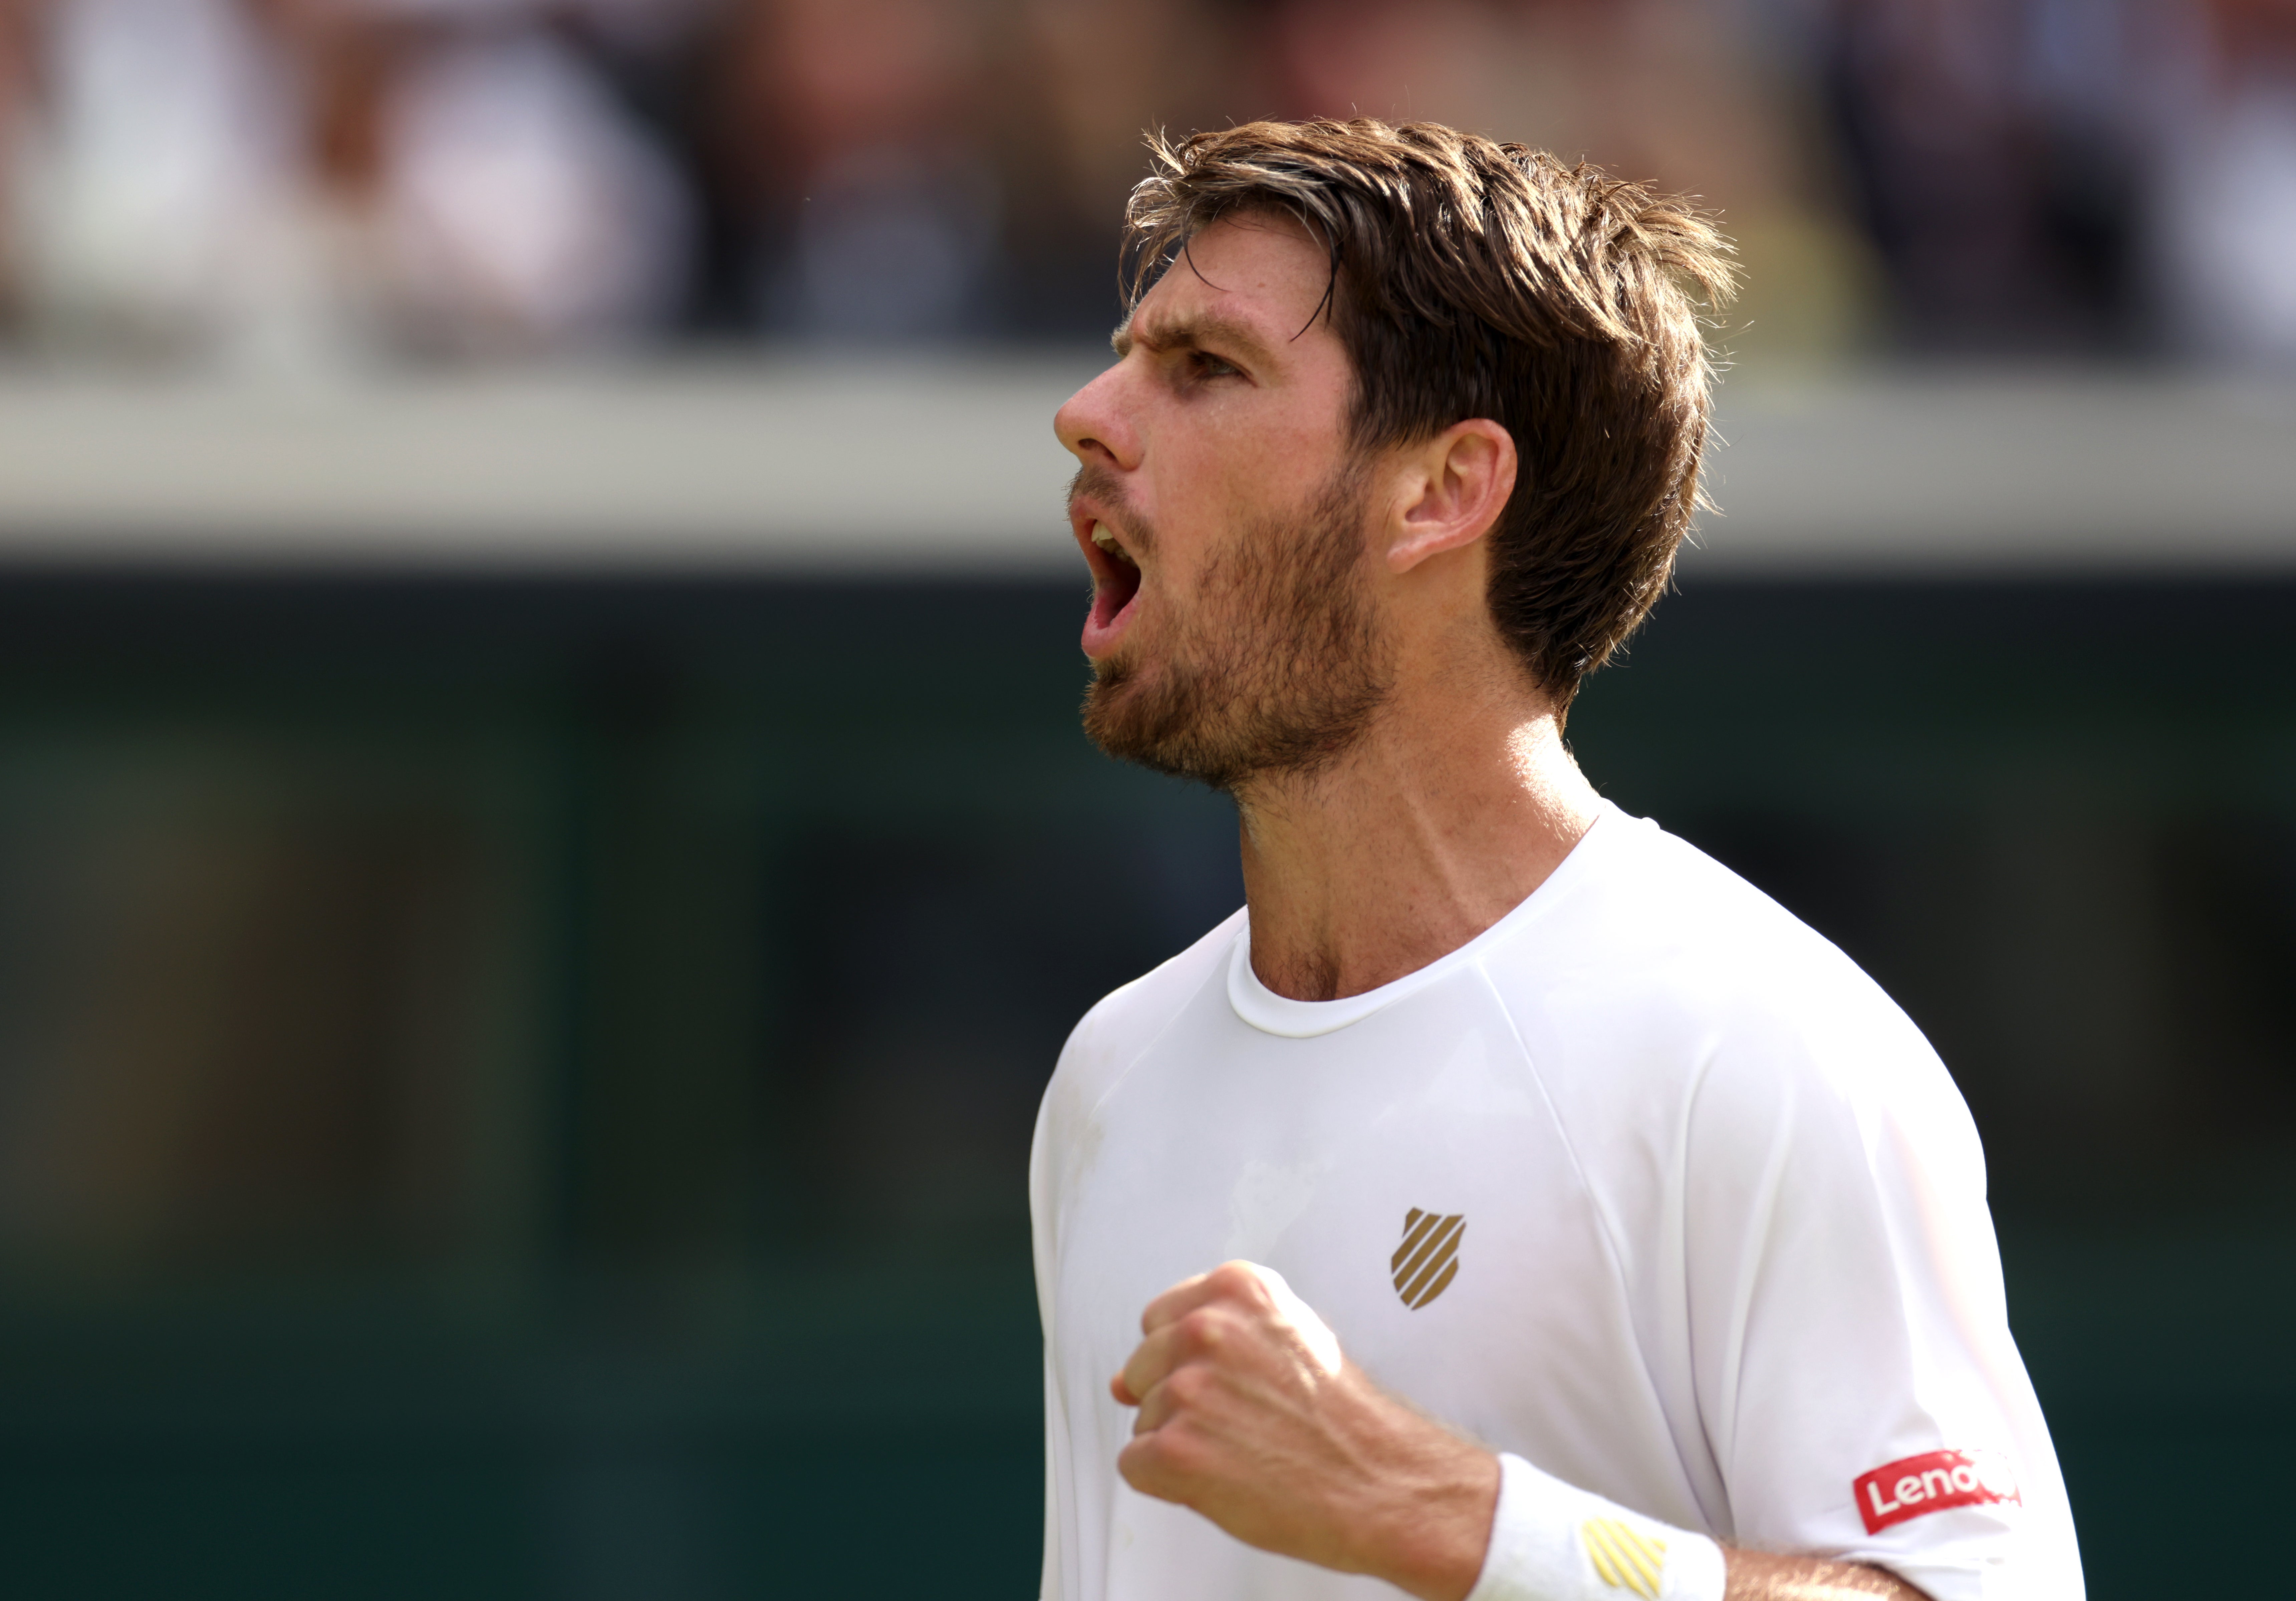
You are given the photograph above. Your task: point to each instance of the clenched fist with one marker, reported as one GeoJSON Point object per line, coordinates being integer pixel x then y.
{"type": "Point", "coordinates": [1250, 1414]}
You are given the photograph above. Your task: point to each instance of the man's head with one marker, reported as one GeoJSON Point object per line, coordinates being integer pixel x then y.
{"type": "Point", "coordinates": [1393, 392]}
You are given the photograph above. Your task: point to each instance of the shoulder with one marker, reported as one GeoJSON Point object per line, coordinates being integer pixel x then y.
{"type": "Point", "coordinates": [1640, 921]}
{"type": "Point", "coordinates": [1124, 1023]}
{"type": "Point", "coordinates": [1661, 978]}
{"type": "Point", "coordinates": [1104, 1044]}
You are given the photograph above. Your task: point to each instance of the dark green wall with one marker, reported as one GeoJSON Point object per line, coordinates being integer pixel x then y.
{"type": "Point", "coordinates": [515, 1090]}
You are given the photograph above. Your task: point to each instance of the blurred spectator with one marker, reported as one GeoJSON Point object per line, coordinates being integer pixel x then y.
{"type": "Point", "coordinates": [2226, 236]}
{"type": "Point", "coordinates": [858, 130]}
{"type": "Point", "coordinates": [291, 180]}
{"type": "Point", "coordinates": [516, 206]}
{"type": "Point", "coordinates": [154, 188]}
{"type": "Point", "coordinates": [1994, 151]}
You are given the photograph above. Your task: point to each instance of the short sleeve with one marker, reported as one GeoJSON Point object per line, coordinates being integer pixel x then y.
{"type": "Point", "coordinates": [1849, 1340]}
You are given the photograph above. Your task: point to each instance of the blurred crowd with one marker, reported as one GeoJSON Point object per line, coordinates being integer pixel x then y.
{"type": "Point", "coordinates": [323, 181]}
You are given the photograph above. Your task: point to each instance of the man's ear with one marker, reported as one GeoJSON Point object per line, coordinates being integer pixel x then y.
{"type": "Point", "coordinates": [1454, 487]}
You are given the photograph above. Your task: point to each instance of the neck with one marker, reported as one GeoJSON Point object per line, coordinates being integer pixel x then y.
{"type": "Point", "coordinates": [1438, 823]}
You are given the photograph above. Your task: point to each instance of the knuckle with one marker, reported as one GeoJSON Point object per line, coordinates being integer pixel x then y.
{"type": "Point", "coordinates": [1184, 1387]}
{"type": "Point", "coordinates": [1234, 1278]}
{"type": "Point", "coordinates": [1203, 1330]}
{"type": "Point", "coordinates": [1246, 1282]}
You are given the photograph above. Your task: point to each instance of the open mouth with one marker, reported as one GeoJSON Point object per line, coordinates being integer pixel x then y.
{"type": "Point", "coordinates": [1115, 584]}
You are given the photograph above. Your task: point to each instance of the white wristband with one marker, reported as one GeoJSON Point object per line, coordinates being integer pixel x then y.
{"type": "Point", "coordinates": [1552, 1541]}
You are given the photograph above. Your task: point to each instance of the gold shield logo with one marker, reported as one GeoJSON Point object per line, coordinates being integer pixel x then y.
{"type": "Point", "coordinates": [1428, 1260]}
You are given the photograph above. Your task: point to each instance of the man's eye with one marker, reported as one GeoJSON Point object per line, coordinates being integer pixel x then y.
{"type": "Point", "coordinates": [1208, 365]}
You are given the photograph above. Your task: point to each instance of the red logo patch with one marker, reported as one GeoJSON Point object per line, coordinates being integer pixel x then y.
{"type": "Point", "coordinates": [1932, 1482]}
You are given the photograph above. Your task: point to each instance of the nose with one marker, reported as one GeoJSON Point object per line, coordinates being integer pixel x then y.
{"type": "Point", "coordinates": [1097, 426]}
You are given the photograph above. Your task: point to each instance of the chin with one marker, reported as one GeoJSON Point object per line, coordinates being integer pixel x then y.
{"type": "Point", "coordinates": [1159, 725]}
{"type": "Point", "coordinates": [1114, 701]}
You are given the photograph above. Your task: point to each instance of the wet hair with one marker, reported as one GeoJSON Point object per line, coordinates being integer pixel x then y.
{"type": "Point", "coordinates": [1476, 279]}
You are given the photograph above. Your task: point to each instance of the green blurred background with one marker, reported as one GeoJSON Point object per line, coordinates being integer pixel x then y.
{"type": "Point", "coordinates": [520, 1087]}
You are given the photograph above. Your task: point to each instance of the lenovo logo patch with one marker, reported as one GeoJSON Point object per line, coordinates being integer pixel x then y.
{"type": "Point", "coordinates": [1934, 1483]}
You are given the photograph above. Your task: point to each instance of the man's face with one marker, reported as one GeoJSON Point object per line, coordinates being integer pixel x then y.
{"type": "Point", "coordinates": [1233, 630]}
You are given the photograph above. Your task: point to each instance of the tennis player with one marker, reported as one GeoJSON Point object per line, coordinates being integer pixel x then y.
{"type": "Point", "coordinates": [1509, 1202]}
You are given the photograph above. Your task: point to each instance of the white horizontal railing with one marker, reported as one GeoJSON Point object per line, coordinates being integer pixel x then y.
{"type": "Point", "coordinates": [949, 466]}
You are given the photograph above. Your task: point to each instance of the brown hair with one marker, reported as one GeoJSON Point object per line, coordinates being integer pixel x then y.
{"type": "Point", "coordinates": [1474, 279]}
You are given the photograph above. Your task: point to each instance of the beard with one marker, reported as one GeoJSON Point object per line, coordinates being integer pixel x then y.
{"type": "Point", "coordinates": [1281, 667]}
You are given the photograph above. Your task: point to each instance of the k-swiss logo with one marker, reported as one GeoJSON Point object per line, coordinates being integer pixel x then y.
{"type": "Point", "coordinates": [1932, 1482]}
{"type": "Point", "coordinates": [1625, 1558]}
{"type": "Point", "coordinates": [1428, 1260]}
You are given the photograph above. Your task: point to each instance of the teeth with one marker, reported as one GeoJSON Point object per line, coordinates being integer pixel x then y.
{"type": "Point", "coordinates": [1107, 542]}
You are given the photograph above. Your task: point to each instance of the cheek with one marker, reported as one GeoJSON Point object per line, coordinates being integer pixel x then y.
{"type": "Point", "coordinates": [1217, 473]}
{"type": "Point", "coordinates": [1201, 511]}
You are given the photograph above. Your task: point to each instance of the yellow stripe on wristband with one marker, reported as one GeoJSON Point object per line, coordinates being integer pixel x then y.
{"type": "Point", "coordinates": [1624, 1558]}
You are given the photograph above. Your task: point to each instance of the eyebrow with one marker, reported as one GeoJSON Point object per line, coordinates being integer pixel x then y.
{"type": "Point", "coordinates": [1190, 332]}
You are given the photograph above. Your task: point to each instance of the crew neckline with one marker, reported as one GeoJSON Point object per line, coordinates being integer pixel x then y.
{"type": "Point", "coordinates": [1272, 1013]}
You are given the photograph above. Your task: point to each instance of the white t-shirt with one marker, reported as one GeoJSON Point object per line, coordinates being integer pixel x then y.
{"type": "Point", "coordinates": [1695, 1220]}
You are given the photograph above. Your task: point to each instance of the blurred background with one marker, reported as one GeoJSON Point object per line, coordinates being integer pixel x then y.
{"type": "Point", "coordinates": [282, 183]}
{"type": "Point", "coordinates": [544, 850]}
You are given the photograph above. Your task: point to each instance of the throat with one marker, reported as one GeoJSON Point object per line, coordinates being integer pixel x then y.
{"type": "Point", "coordinates": [1310, 975]}
{"type": "Point", "coordinates": [1366, 873]}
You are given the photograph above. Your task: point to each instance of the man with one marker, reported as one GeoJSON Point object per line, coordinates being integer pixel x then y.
{"type": "Point", "coordinates": [1509, 1202]}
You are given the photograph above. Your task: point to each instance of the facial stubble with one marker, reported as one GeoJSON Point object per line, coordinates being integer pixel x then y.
{"type": "Point", "coordinates": [1279, 668]}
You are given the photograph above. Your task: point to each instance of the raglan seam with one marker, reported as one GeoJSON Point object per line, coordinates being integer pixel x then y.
{"type": "Point", "coordinates": [1218, 969]}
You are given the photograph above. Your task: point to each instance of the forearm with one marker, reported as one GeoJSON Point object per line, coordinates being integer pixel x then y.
{"type": "Point", "coordinates": [1759, 1576]}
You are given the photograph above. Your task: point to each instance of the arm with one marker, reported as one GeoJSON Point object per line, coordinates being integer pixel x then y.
{"type": "Point", "coordinates": [1249, 1415]}
{"type": "Point", "coordinates": [1757, 1576]}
